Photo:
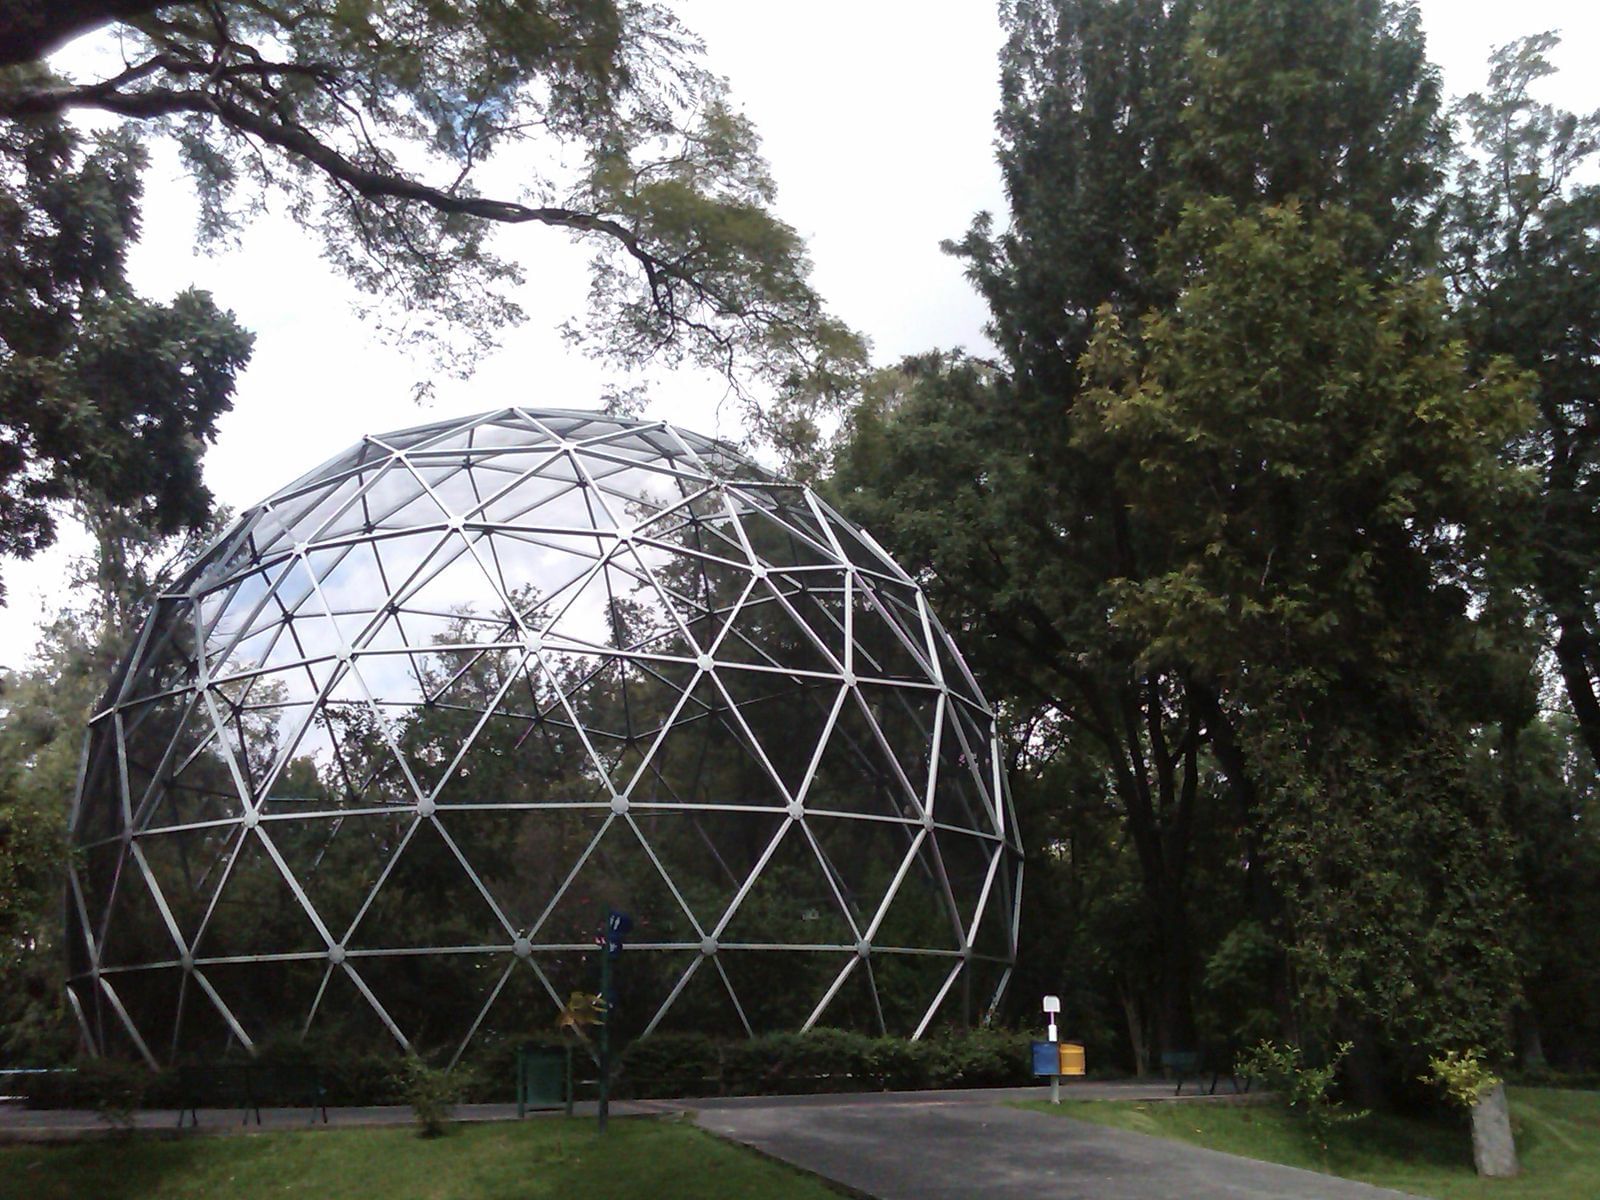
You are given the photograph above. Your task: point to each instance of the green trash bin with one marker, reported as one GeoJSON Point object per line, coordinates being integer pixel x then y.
{"type": "Point", "coordinates": [544, 1079]}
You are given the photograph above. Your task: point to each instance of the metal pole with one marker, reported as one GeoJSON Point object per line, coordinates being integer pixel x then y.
{"type": "Point", "coordinates": [605, 1037]}
{"type": "Point", "coordinates": [1055, 1080]}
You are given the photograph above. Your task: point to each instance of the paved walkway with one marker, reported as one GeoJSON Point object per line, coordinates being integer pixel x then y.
{"type": "Point", "coordinates": [951, 1146]}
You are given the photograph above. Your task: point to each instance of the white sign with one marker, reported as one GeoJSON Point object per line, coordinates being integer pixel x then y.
{"type": "Point", "coordinates": [1052, 1004]}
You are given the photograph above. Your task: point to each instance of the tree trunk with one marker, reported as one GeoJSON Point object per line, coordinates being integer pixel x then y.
{"type": "Point", "coordinates": [1136, 1038]}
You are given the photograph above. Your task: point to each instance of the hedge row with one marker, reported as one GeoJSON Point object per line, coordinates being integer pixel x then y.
{"type": "Point", "coordinates": [822, 1060]}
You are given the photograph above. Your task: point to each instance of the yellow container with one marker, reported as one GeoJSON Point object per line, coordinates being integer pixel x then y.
{"type": "Point", "coordinates": [1072, 1060]}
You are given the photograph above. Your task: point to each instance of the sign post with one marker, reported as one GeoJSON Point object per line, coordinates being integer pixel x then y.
{"type": "Point", "coordinates": [617, 927]}
{"type": "Point", "coordinates": [1052, 1009]}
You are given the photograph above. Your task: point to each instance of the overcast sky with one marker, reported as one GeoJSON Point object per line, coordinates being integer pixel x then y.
{"type": "Point", "coordinates": [876, 116]}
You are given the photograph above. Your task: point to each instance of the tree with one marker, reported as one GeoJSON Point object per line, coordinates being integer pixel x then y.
{"type": "Point", "coordinates": [1321, 480]}
{"type": "Point", "coordinates": [1524, 258]}
{"type": "Point", "coordinates": [1216, 200]}
{"type": "Point", "coordinates": [384, 126]}
{"type": "Point", "coordinates": [106, 397]}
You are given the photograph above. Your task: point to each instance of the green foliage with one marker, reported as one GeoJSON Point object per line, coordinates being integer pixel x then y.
{"type": "Point", "coordinates": [1522, 221]}
{"type": "Point", "coordinates": [821, 1060]}
{"type": "Point", "coordinates": [106, 397]}
{"type": "Point", "coordinates": [1305, 1090]}
{"type": "Point", "coordinates": [1461, 1075]}
{"type": "Point", "coordinates": [1234, 517]}
{"type": "Point", "coordinates": [405, 133]}
{"type": "Point", "coordinates": [115, 1090]}
{"type": "Point", "coordinates": [432, 1093]}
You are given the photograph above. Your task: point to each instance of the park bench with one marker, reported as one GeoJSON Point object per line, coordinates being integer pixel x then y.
{"type": "Point", "coordinates": [247, 1086]}
{"type": "Point", "coordinates": [1185, 1064]}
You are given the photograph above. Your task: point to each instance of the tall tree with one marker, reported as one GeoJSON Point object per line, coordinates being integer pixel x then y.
{"type": "Point", "coordinates": [1170, 158]}
{"type": "Point", "coordinates": [106, 397]}
{"type": "Point", "coordinates": [1524, 255]}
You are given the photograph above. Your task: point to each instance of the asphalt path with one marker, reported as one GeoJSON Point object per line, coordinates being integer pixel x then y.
{"type": "Point", "coordinates": [952, 1146]}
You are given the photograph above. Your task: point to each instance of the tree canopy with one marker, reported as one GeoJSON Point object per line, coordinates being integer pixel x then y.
{"type": "Point", "coordinates": [1228, 514]}
{"type": "Point", "coordinates": [404, 132]}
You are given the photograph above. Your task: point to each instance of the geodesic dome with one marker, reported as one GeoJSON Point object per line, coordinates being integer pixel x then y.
{"type": "Point", "coordinates": [382, 759]}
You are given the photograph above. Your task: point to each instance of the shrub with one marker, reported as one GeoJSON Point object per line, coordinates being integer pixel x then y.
{"type": "Point", "coordinates": [1461, 1075]}
{"type": "Point", "coordinates": [115, 1090]}
{"type": "Point", "coordinates": [432, 1093]}
{"type": "Point", "coordinates": [1303, 1089]}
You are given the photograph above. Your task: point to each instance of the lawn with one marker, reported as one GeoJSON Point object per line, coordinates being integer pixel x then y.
{"type": "Point", "coordinates": [527, 1160]}
{"type": "Point", "coordinates": [1558, 1140]}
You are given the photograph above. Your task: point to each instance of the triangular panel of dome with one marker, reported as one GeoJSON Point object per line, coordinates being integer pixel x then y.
{"type": "Point", "coordinates": [427, 898]}
{"type": "Point", "coordinates": [863, 857]}
{"type": "Point", "coordinates": [917, 913]}
{"type": "Point", "coordinates": [150, 1000]}
{"type": "Point", "coordinates": [629, 494]}
{"type": "Point", "coordinates": [697, 1001]}
{"type": "Point", "coordinates": [97, 811]}
{"type": "Point", "coordinates": [968, 863]}
{"type": "Point", "coordinates": [613, 873]}
{"type": "Point", "coordinates": [908, 985]}
{"type": "Point", "coordinates": [767, 709]}
{"type": "Point", "coordinates": [522, 856]}
{"type": "Point", "coordinates": [779, 991]}
{"type": "Point", "coordinates": [399, 500]}
{"type": "Point", "coordinates": [708, 854]}
{"type": "Point", "coordinates": [992, 935]}
{"type": "Point", "coordinates": [338, 509]}
{"type": "Point", "coordinates": [461, 692]}
{"type": "Point", "coordinates": [256, 911]}
{"type": "Point", "coordinates": [354, 763]}
{"type": "Point", "coordinates": [345, 1015]}
{"type": "Point", "coordinates": [136, 931]}
{"type": "Point", "coordinates": [267, 999]}
{"type": "Point", "coordinates": [960, 791]}
{"type": "Point", "coordinates": [709, 757]}
{"type": "Point", "coordinates": [522, 1011]}
{"type": "Point", "coordinates": [907, 719]}
{"type": "Point", "coordinates": [544, 494]}
{"type": "Point", "coordinates": [766, 630]}
{"type": "Point", "coordinates": [189, 865]}
{"type": "Point", "coordinates": [854, 1003]}
{"type": "Point", "coordinates": [792, 902]}
{"type": "Point", "coordinates": [779, 544]}
{"type": "Point", "coordinates": [884, 649]}
{"type": "Point", "coordinates": [815, 600]}
{"type": "Point", "coordinates": [432, 998]}
{"type": "Point", "coordinates": [857, 774]}
{"type": "Point", "coordinates": [97, 872]}
{"type": "Point", "coordinates": [177, 769]}
{"type": "Point", "coordinates": [337, 861]}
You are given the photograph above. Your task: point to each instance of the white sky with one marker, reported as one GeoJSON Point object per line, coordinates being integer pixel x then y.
{"type": "Point", "coordinates": [876, 116]}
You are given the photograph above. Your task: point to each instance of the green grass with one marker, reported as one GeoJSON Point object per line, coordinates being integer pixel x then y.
{"type": "Point", "coordinates": [528, 1160]}
{"type": "Point", "coordinates": [1558, 1141]}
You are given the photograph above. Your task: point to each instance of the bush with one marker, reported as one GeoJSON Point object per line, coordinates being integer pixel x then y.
{"type": "Point", "coordinates": [1303, 1089]}
{"type": "Point", "coordinates": [1461, 1075]}
{"type": "Point", "coordinates": [116, 1090]}
{"type": "Point", "coordinates": [821, 1060]}
{"type": "Point", "coordinates": [432, 1094]}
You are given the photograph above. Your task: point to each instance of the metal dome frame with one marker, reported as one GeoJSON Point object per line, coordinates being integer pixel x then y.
{"type": "Point", "coordinates": [327, 666]}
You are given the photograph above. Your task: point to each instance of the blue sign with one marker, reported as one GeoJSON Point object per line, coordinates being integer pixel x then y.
{"type": "Point", "coordinates": [1046, 1058]}
{"type": "Point", "coordinates": [618, 926]}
